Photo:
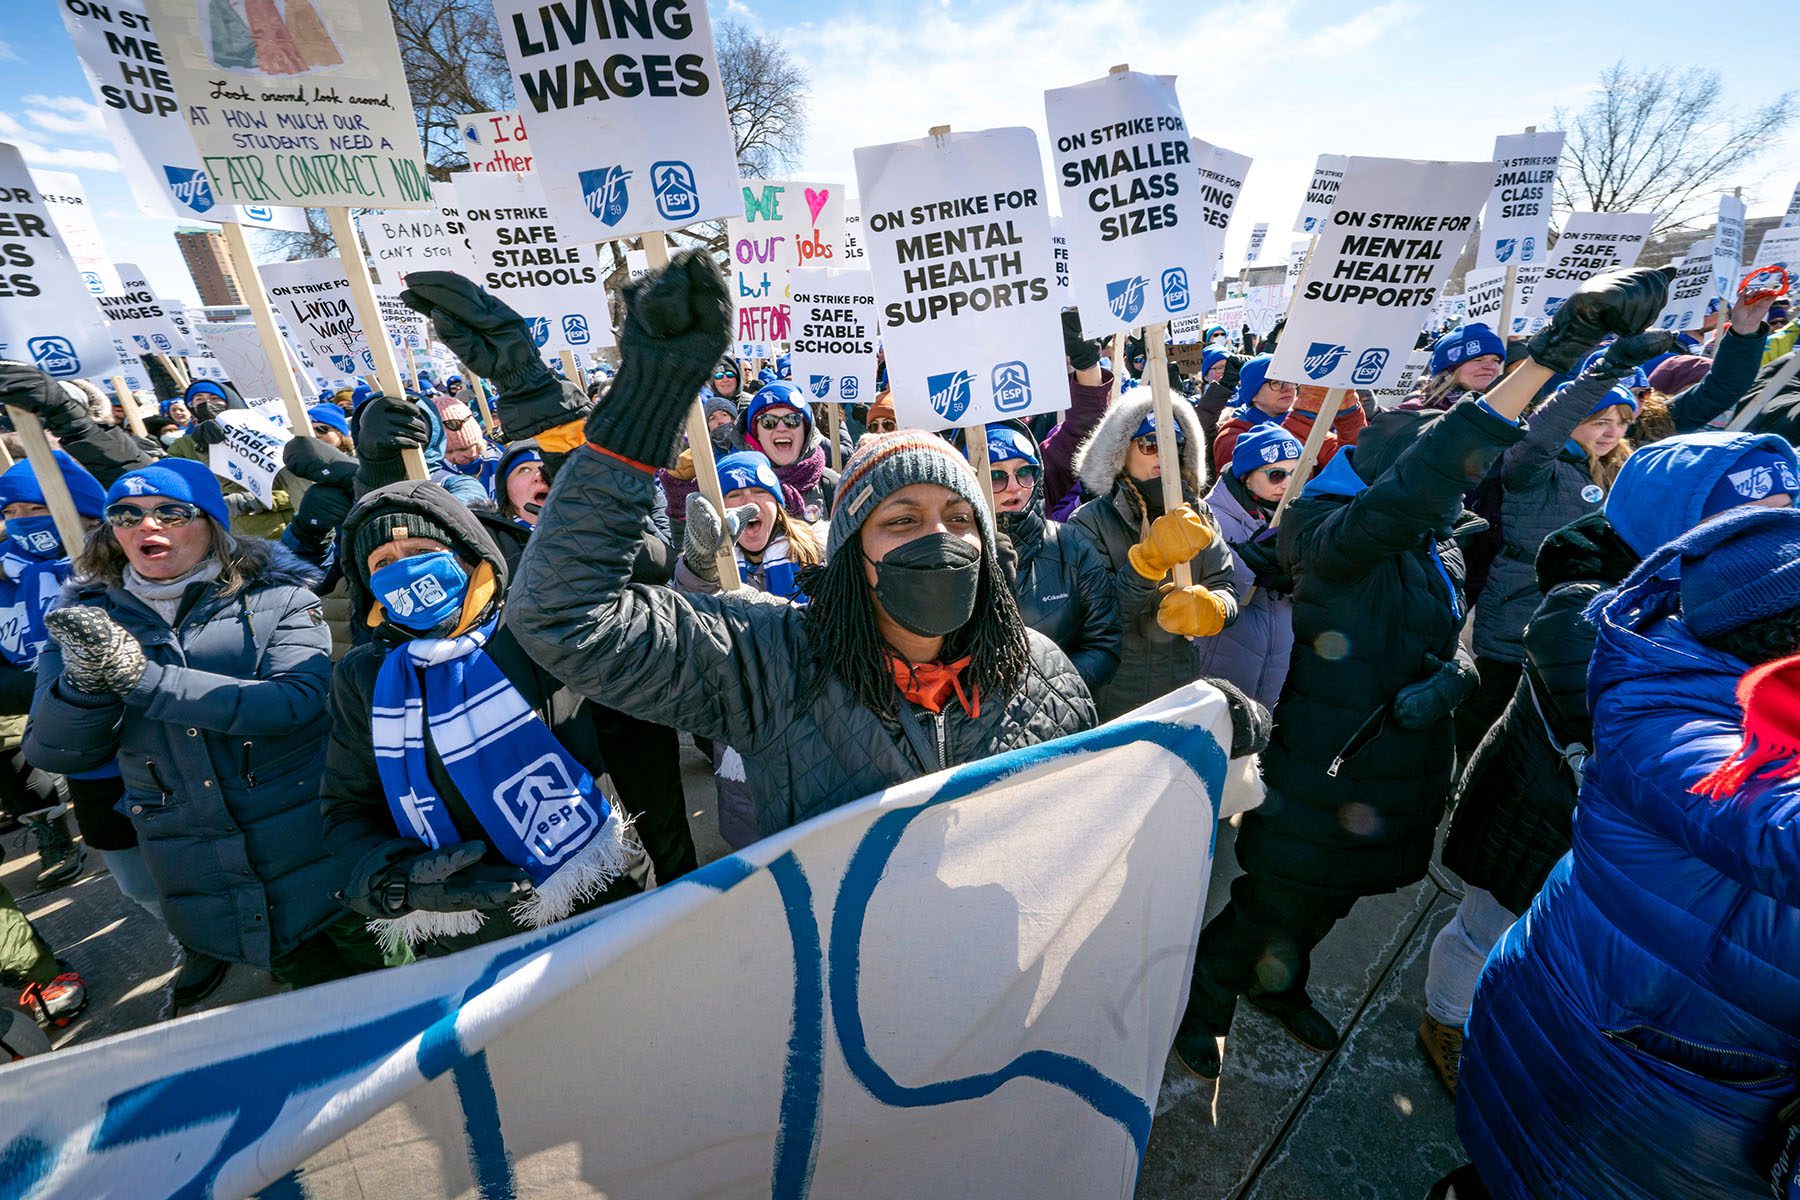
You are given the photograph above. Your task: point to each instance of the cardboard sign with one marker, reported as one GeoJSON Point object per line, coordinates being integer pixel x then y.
{"type": "Point", "coordinates": [496, 141]}
{"type": "Point", "coordinates": [1395, 230]}
{"type": "Point", "coordinates": [1258, 232]}
{"type": "Point", "coordinates": [524, 258]}
{"type": "Point", "coordinates": [834, 336]}
{"type": "Point", "coordinates": [407, 241]}
{"type": "Point", "coordinates": [48, 318]}
{"type": "Point", "coordinates": [302, 107]}
{"type": "Point", "coordinates": [784, 224]}
{"type": "Point", "coordinates": [1321, 193]}
{"type": "Point", "coordinates": [1590, 244]}
{"type": "Point", "coordinates": [1124, 173]}
{"type": "Point", "coordinates": [1515, 225]}
{"type": "Point", "coordinates": [139, 318]}
{"type": "Point", "coordinates": [1728, 247]}
{"type": "Point", "coordinates": [67, 201]}
{"type": "Point", "coordinates": [627, 115]}
{"type": "Point", "coordinates": [958, 235]}
{"type": "Point", "coordinates": [1484, 296]}
{"type": "Point", "coordinates": [314, 295]}
{"type": "Point", "coordinates": [1691, 288]}
{"type": "Point", "coordinates": [853, 247]}
{"type": "Point", "coordinates": [250, 455]}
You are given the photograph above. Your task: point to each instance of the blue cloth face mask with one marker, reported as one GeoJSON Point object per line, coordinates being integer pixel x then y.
{"type": "Point", "coordinates": [421, 592]}
{"type": "Point", "coordinates": [35, 537]}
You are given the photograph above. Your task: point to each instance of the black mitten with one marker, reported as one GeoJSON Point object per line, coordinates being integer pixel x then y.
{"type": "Point", "coordinates": [1082, 352]}
{"type": "Point", "coordinates": [1251, 724]}
{"type": "Point", "coordinates": [1621, 302]}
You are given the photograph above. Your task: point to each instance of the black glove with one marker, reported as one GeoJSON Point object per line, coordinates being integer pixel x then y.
{"type": "Point", "coordinates": [453, 879]}
{"type": "Point", "coordinates": [1008, 555]}
{"type": "Point", "coordinates": [209, 433]}
{"type": "Point", "coordinates": [318, 462]}
{"type": "Point", "coordinates": [322, 510]}
{"type": "Point", "coordinates": [677, 324]}
{"type": "Point", "coordinates": [1621, 302]}
{"type": "Point", "coordinates": [1629, 353]}
{"type": "Point", "coordinates": [61, 407]}
{"type": "Point", "coordinates": [1251, 724]}
{"type": "Point", "coordinates": [99, 655]}
{"type": "Point", "coordinates": [1423, 704]}
{"type": "Point", "coordinates": [1263, 556]}
{"type": "Point", "coordinates": [1082, 353]}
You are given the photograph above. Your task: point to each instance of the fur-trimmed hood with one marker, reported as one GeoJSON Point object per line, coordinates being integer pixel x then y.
{"type": "Point", "coordinates": [1101, 459]}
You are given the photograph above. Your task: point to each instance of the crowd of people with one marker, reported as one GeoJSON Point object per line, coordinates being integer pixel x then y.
{"type": "Point", "coordinates": [1548, 594]}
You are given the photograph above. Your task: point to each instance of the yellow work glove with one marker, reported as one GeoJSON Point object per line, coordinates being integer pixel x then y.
{"type": "Point", "coordinates": [1191, 612]}
{"type": "Point", "coordinates": [1175, 537]}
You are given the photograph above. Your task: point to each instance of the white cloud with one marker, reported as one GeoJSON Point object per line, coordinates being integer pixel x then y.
{"type": "Point", "coordinates": [66, 114]}
{"type": "Point", "coordinates": [37, 153]}
{"type": "Point", "coordinates": [7, 53]}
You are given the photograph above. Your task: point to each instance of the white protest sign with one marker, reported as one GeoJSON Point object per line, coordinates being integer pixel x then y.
{"type": "Point", "coordinates": [1059, 244]}
{"type": "Point", "coordinates": [1590, 244]}
{"type": "Point", "coordinates": [1417, 364]}
{"type": "Point", "coordinates": [637, 265]}
{"type": "Point", "coordinates": [853, 247]}
{"type": "Point", "coordinates": [303, 108]}
{"type": "Point", "coordinates": [1779, 248]}
{"type": "Point", "coordinates": [449, 208]}
{"type": "Point", "coordinates": [1321, 193]}
{"type": "Point", "coordinates": [525, 259]}
{"type": "Point", "coordinates": [48, 318]}
{"type": "Point", "coordinates": [958, 235]}
{"type": "Point", "coordinates": [1222, 174]}
{"type": "Point", "coordinates": [1121, 156]}
{"type": "Point", "coordinates": [237, 349]}
{"type": "Point", "coordinates": [1258, 232]}
{"type": "Point", "coordinates": [1689, 290]}
{"type": "Point", "coordinates": [139, 318]}
{"type": "Point", "coordinates": [833, 333]}
{"type": "Point", "coordinates": [407, 241]}
{"type": "Point", "coordinates": [627, 115]}
{"type": "Point", "coordinates": [1728, 247]}
{"type": "Point", "coordinates": [130, 369]}
{"type": "Point", "coordinates": [405, 328]}
{"type": "Point", "coordinates": [273, 410]}
{"type": "Point", "coordinates": [67, 201]}
{"type": "Point", "coordinates": [1484, 295]}
{"type": "Point", "coordinates": [1793, 210]}
{"type": "Point", "coordinates": [1230, 314]}
{"type": "Point", "coordinates": [1264, 306]}
{"type": "Point", "coordinates": [314, 295]}
{"type": "Point", "coordinates": [1185, 330]}
{"type": "Point", "coordinates": [784, 224]}
{"type": "Point", "coordinates": [1515, 225]}
{"type": "Point", "coordinates": [250, 455]}
{"type": "Point", "coordinates": [1394, 232]}
{"type": "Point", "coordinates": [1296, 263]}
{"type": "Point", "coordinates": [496, 141]}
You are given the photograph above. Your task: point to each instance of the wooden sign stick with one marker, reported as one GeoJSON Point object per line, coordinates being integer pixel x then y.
{"type": "Point", "coordinates": [368, 312]}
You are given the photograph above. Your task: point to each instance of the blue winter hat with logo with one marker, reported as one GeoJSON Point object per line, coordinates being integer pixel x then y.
{"type": "Point", "coordinates": [1251, 377]}
{"type": "Point", "coordinates": [1004, 442]}
{"type": "Point", "coordinates": [19, 485]}
{"type": "Point", "coordinates": [1637, 378]}
{"type": "Point", "coordinates": [1147, 428]}
{"type": "Point", "coordinates": [1211, 357]}
{"type": "Point", "coordinates": [1474, 340]}
{"type": "Point", "coordinates": [178, 479]}
{"type": "Point", "coordinates": [784, 367]}
{"type": "Point", "coordinates": [749, 469]}
{"type": "Point", "coordinates": [776, 395]}
{"type": "Point", "coordinates": [1263, 446]}
{"type": "Point", "coordinates": [1668, 487]}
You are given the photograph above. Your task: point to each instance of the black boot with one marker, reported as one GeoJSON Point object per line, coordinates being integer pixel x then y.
{"type": "Point", "coordinates": [1307, 1026]}
{"type": "Point", "coordinates": [59, 854]}
{"type": "Point", "coordinates": [198, 976]}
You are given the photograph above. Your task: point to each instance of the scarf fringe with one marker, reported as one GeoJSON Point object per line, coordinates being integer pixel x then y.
{"type": "Point", "coordinates": [583, 877]}
{"type": "Point", "coordinates": [1730, 776]}
{"type": "Point", "coordinates": [419, 926]}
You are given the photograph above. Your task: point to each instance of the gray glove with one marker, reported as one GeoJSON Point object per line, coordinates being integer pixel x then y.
{"type": "Point", "coordinates": [451, 879]}
{"type": "Point", "coordinates": [99, 656]}
{"type": "Point", "coordinates": [700, 545]}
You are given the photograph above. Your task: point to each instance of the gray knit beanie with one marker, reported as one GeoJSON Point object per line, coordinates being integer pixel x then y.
{"type": "Point", "coordinates": [883, 465]}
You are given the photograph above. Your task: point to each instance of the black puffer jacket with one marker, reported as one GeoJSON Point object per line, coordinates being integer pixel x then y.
{"type": "Point", "coordinates": [732, 667]}
{"type": "Point", "coordinates": [1354, 800]}
{"type": "Point", "coordinates": [1517, 798]}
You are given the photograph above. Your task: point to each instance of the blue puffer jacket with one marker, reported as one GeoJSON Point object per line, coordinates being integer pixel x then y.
{"type": "Point", "coordinates": [1635, 1035]}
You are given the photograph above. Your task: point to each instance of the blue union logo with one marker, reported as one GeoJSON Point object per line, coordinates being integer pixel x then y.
{"type": "Point", "coordinates": [819, 385]}
{"type": "Point", "coordinates": [54, 355]}
{"type": "Point", "coordinates": [603, 191]}
{"type": "Point", "coordinates": [1125, 297]}
{"type": "Point", "coordinates": [190, 186]}
{"type": "Point", "coordinates": [949, 394]}
{"type": "Point", "coordinates": [1322, 358]}
{"type": "Point", "coordinates": [1012, 386]}
{"type": "Point", "coordinates": [677, 194]}
{"type": "Point", "coordinates": [1175, 290]}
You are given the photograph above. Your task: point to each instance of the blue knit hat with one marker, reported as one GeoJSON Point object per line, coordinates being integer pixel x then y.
{"type": "Point", "coordinates": [1211, 357]}
{"type": "Point", "coordinates": [1005, 442]}
{"type": "Point", "coordinates": [1616, 394]}
{"type": "Point", "coordinates": [1758, 473]}
{"type": "Point", "coordinates": [178, 479]}
{"type": "Point", "coordinates": [1147, 428]}
{"type": "Point", "coordinates": [1457, 347]}
{"type": "Point", "coordinates": [1261, 446]}
{"type": "Point", "coordinates": [330, 414]}
{"type": "Point", "coordinates": [1739, 569]}
{"type": "Point", "coordinates": [1668, 487]}
{"type": "Point", "coordinates": [19, 485]}
{"type": "Point", "coordinates": [1251, 377]}
{"type": "Point", "coordinates": [887, 462]}
{"type": "Point", "coordinates": [771, 395]}
{"type": "Point", "coordinates": [784, 367]}
{"type": "Point", "coordinates": [749, 469]}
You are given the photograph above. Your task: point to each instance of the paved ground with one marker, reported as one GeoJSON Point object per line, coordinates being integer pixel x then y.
{"type": "Point", "coordinates": [1369, 1122]}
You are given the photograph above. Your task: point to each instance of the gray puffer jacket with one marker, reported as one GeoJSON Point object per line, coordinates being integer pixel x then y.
{"type": "Point", "coordinates": [734, 668]}
{"type": "Point", "coordinates": [222, 747]}
{"type": "Point", "coordinates": [1152, 661]}
{"type": "Point", "coordinates": [1545, 485]}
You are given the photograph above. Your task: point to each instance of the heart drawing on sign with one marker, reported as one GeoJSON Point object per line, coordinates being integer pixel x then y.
{"type": "Point", "coordinates": [815, 202]}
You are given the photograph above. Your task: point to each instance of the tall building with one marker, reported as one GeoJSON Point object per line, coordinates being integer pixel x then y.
{"type": "Point", "coordinates": [210, 264]}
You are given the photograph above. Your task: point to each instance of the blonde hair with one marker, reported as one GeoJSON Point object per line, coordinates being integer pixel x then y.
{"type": "Point", "coordinates": [804, 547]}
{"type": "Point", "coordinates": [1605, 468]}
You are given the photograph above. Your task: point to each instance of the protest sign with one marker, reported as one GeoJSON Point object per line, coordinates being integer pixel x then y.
{"type": "Point", "coordinates": [1258, 232]}
{"type": "Point", "coordinates": [449, 207]}
{"type": "Point", "coordinates": [1728, 247]}
{"type": "Point", "coordinates": [250, 455]}
{"type": "Point", "coordinates": [314, 295]}
{"type": "Point", "coordinates": [1396, 229]}
{"type": "Point", "coordinates": [405, 328]}
{"type": "Point", "coordinates": [1264, 306]}
{"type": "Point", "coordinates": [525, 259]}
{"type": "Point", "coordinates": [1185, 330]}
{"type": "Point", "coordinates": [637, 265]}
{"type": "Point", "coordinates": [853, 248]}
{"type": "Point", "coordinates": [1515, 224]}
{"type": "Point", "coordinates": [1321, 193]}
{"type": "Point", "coordinates": [1059, 246]}
{"type": "Point", "coordinates": [67, 201]}
{"type": "Point", "coordinates": [961, 991]}
{"type": "Point", "coordinates": [1590, 243]}
{"type": "Point", "coordinates": [307, 107]}
{"type": "Point", "coordinates": [1222, 174]}
{"type": "Point", "coordinates": [957, 228]}
{"type": "Point", "coordinates": [496, 141]}
{"type": "Point", "coordinates": [130, 369]}
{"type": "Point", "coordinates": [138, 317]}
{"type": "Point", "coordinates": [407, 241]}
{"type": "Point", "coordinates": [1779, 247]}
{"type": "Point", "coordinates": [1689, 291]}
{"type": "Point", "coordinates": [783, 224]}
{"type": "Point", "coordinates": [48, 318]}
{"type": "Point", "coordinates": [1793, 210]}
{"type": "Point", "coordinates": [1484, 295]}
{"type": "Point", "coordinates": [234, 345]}
{"type": "Point", "coordinates": [1296, 264]}
{"type": "Point", "coordinates": [834, 335]}
{"type": "Point", "coordinates": [627, 114]}
{"type": "Point", "coordinates": [1417, 364]}
{"type": "Point", "coordinates": [1230, 314]}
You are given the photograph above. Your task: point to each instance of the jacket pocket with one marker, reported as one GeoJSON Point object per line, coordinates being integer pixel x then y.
{"type": "Point", "coordinates": [1726, 1065]}
{"type": "Point", "coordinates": [261, 763]}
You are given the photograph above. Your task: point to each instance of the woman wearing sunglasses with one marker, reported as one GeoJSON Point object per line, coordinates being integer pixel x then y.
{"type": "Point", "coordinates": [201, 662]}
{"type": "Point", "coordinates": [778, 422]}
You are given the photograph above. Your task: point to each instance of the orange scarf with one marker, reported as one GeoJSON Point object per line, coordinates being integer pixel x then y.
{"type": "Point", "coordinates": [930, 685]}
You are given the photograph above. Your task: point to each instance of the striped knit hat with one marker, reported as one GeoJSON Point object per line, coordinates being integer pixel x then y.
{"type": "Point", "coordinates": [884, 464]}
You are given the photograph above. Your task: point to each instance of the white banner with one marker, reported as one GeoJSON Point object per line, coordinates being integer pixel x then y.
{"type": "Point", "coordinates": [783, 224]}
{"type": "Point", "coordinates": [958, 235]}
{"type": "Point", "coordinates": [496, 141]}
{"type": "Point", "coordinates": [853, 247]}
{"type": "Point", "coordinates": [626, 111]}
{"type": "Point", "coordinates": [139, 317]}
{"type": "Point", "coordinates": [1321, 193]}
{"type": "Point", "coordinates": [303, 107]}
{"type": "Point", "coordinates": [48, 318]}
{"type": "Point", "coordinates": [1125, 178]}
{"type": "Point", "coordinates": [314, 295]}
{"type": "Point", "coordinates": [407, 241]}
{"type": "Point", "coordinates": [525, 259]}
{"type": "Point", "coordinates": [250, 455]}
{"type": "Point", "coordinates": [1728, 247]}
{"type": "Point", "coordinates": [833, 334]}
{"type": "Point", "coordinates": [1484, 295]}
{"type": "Point", "coordinates": [67, 201]}
{"type": "Point", "coordinates": [234, 345]}
{"type": "Point", "coordinates": [959, 989]}
{"type": "Point", "coordinates": [1515, 225]}
{"type": "Point", "coordinates": [1590, 244]}
{"type": "Point", "coordinates": [1258, 233]}
{"type": "Point", "coordinates": [1396, 229]}
{"type": "Point", "coordinates": [1779, 248]}
{"type": "Point", "coordinates": [1690, 290]}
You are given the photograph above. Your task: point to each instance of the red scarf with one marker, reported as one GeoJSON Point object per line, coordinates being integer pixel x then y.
{"type": "Point", "coordinates": [1770, 698]}
{"type": "Point", "coordinates": [930, 685]}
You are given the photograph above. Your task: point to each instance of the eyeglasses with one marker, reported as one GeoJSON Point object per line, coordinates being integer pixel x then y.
{"type": "Point", "coordinates": [883, 425]}
{"type": "Point", "coordinates": [1025, 477]}
{"type": "Point", "coordinates": [172, 515]}
{"type": "Point", "coordinates": [722, 373]}
{"type": "Point", "coordinates": [1276, 474]}
{"type": "Point", "coordinates": [772, 421]}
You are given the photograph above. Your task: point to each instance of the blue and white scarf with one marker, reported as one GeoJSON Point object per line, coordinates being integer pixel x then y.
{"type": "Point", "coordinates": [28, 587]}
{"type": "Point", "coordinates": [540, 808]}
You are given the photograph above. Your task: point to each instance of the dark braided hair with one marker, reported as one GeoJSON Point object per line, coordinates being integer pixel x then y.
{"type": "Point", "coordinates": [846, 641]}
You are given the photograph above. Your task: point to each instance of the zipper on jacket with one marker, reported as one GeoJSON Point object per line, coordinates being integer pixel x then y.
{"type": "Point", "coordinates": [942, 741]}
{"type": "Point", "coordinates": [1359, 741]}
{"type": "Point", "coordinates": [156, 778]}
{"type": "Point", "coordinates": [249, 775]}
{"type": "Point", "coordinates": [1621, 1037]}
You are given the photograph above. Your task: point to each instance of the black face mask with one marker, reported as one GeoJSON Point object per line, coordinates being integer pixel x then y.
{"type": "Point", "coordinates": [1150, 492]}
{"type": "Point", "coordinates": [928, 585]}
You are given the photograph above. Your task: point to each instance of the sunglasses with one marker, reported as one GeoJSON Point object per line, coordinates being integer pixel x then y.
{"type": "Point", "coordinates": [1145, 444]}
{"type": "Point", "coordinates": [1277, 474]}
{"type": "Point", "coordinates": [172, 515]}
{"type": "Point", "coordinates": [883, 425]}
{"type": "Point", "coordinates": [1025, 477]}
{"type": "Point", "coordinates": [721, 373]}
{"type": "Point", "coordinates": [453, 426]}
{"type": "Point", "coordinates": [772, 421]}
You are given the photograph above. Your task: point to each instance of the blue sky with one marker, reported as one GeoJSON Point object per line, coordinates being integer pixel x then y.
{"type": "Point", "coordinates": [1280, 80]}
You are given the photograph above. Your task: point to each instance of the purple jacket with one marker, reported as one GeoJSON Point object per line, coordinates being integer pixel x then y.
{"type": "Point", "coordinates": [1086, 406]}
{"type": "Point", "coordinates": [1253, 650]}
